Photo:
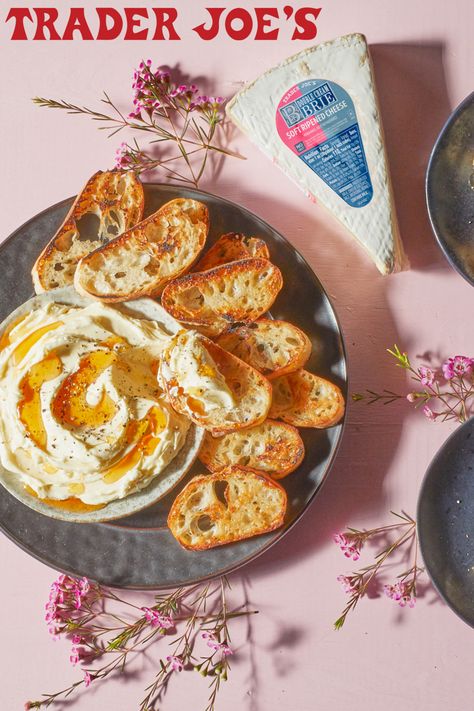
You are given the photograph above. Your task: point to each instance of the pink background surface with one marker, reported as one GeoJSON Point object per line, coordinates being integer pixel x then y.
{"type": "Point", "coordinates": [384, 658]}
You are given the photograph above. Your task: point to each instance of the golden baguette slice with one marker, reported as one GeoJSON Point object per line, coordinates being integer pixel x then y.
{"type": "Point", "coordinates": [232, 247]}
{"type": "Point", "coordinates": [303, 399]}
{"type": "Point", "coordinates": [272, 347]}
{"type": "Point", "coordinates": [211, 301]}
{"type": "Point", "coordinates": [115, 200]}
{"type": "Point", "coordinates": [212, 387]}
{"type": "Point", "coordinates": [141, 261]}
{"type": "Point", "coordinates": [272, 447]}
{"type": "Point", "coordinates": [229, 506]}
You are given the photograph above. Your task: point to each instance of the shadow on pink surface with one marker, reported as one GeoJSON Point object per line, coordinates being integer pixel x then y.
{"type": "Point", "coordinates": [414, 105]}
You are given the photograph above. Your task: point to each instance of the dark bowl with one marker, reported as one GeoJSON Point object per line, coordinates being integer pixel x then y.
{"type": "Point", "coordinates": [446, 521]}
{"type": "Point", "coordinates": [139, 551]}
{"type": "Point", "coordinates": [450, 189]}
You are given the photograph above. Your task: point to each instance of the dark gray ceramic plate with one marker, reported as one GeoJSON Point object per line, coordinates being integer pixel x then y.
{"type": "Point", "coordinates": [138, 551]}
{"type": "Point", "coordinates": [450, 189]}
{"type": "Point", "coordinates": [446, 521]}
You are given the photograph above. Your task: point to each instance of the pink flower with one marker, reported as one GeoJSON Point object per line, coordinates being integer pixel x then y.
{"type": "Point", "coordinates": [429, 414]}
{"type": "Point", "coordinates": [211, 640]}
{"type": "Point", "coordinates": [347, 584]}
{"type": "Point", "coordinates": [457, 366]}
{"type": "Point", "coordinates": [427, 375]}
{"type": "Point", "coordinates": [157, 619]}
{"type": "Point", "coordinates": [176, 663]}
{"type": "Point", "coordinates": [74, 657]}
{"type": "Point", "coordinates": [401, 593]}
{"type": "Point", "coordinates": [122, 156]}
{"type": "Point", "coordinates": [87, 679]}
{"type": "Point", "coordinates": [214, 644]}
{"type": "Point", "coordinates": [67, 596]}
{"type": "Point", "coordinates": [349, 546]}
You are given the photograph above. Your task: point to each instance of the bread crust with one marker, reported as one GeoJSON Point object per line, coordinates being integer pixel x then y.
{"type": "Point", "coordinates": [145, 258]}
{"type": "Point", "coordinates": [211, 301]}
{"type": "Point", "coordinates": [271, 346]}
{"type": "Point", "coordinates": [303, 399]}
{"type": "Point", "coordinates": [250, 505]}
{"type": "Point", "coordinates": [274, 448]}
{"type": "Point", "coordinates": [232, 247]}
{"type": "Point", "coordinates": [116, 198]}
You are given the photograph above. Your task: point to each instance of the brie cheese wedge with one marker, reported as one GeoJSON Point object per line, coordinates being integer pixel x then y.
{"type": "Point", "coordinates": [316, 116]}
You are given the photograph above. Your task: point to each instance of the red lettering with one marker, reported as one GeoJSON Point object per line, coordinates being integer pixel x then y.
{"type": "Point", "coordinates": [20, 14]}
{"type": "Point", "coordinates": [211, 32]}
{"type": "Point", "coordinates": [45, 19]}
{"type": "Point", "coordinates": [239, 13]}
{"type": "Point", "coordinates": [133, 16]}
{"type": "Point", "coordinates": [105, 32]}
{"type": "Point", "coordinates": [264, 17]}
{"type": "Point", "coordinates": [77, 23]}
{"type": "Point", "coordinates": [165, 19]}
{"type": "Point", "coordinates": [306, 28]}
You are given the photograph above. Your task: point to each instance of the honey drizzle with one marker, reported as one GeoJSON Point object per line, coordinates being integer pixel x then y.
{"type": "Point", "coordinates": [5, 338]}
{"type": "Point", "coordinates": [70, 405]}
{"type": "Point", "coordinates": [144, 433]}
{"type": "Point", "coordinates": [27, 343]}
{"type": "Point", "coordinates": [29, 407]}
{"type": "Point", "coordinates": [71, 504]}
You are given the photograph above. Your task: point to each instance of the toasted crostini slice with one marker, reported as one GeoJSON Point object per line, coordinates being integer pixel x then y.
{"type": "Point", "coordinates": [272, 447]}
{"type": "Point", "coordinates": [212, 387]}
{"type": "Point", "coordinates": [232, 247]}
{"type": "Point", "coordinates": [110, 203]}
{"type": "Point", "coordinates": [272, 347]}
{"type": "Point", "coordinates": [145, 258]}
{"type": "Point", "coordinates": [229, 506]}
{"type": "Point", "coordinates": [211, 301]}
{"type": "Point", "coordinates": [303, 399]}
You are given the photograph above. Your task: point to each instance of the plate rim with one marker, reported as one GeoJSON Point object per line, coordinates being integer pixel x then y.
{"type": "Point", "coordinates": [454, 115]}
{"type": "Point", "coordinates": [421, 534]}
{"type": "Point", "coordinates": [341, 425]}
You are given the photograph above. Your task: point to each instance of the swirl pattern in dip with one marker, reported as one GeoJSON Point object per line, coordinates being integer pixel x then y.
{"type": "Point", "coordinates": [81, 412]}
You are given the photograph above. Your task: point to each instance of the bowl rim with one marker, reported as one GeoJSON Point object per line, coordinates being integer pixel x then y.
{"type": "Point", "coordinates": [452, 118]}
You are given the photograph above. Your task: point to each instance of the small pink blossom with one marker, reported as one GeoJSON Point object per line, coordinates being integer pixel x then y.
{"type": "Point", "coordinates": [427, 375]}
{"type": "Point", "coordinates": [347, 584]}
{"type": "Point", "coordinates": [74, 657]}
{"type": "Point", "coordinates": [458, 366]}
{"type": "Point", "coordinates": [87, 679]}
{"type": "Point", "coordinates": [411, 397]}
{"type": "Point", "coordinates": [349, 546]}
{"type": "Point", "coordinates": [214, 644]}
{"type": "Point", "coordinates": [400, 592]}
{"type": "Point", "coordinates": [429, 414]}
{"type": "Point", "coordinates": [176, 663]}
{"type": "Point", "coordinates": [157, 619]}
{"type": "Point", "coordinates": [67, 596]}
{"type": "Point", "coordinates": [122, 156]}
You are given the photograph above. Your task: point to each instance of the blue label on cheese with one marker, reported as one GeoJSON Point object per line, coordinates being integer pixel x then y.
{"type": "Point", "coordinates": [317, 120]}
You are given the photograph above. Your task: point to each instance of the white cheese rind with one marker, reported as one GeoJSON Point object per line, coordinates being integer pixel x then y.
{"type": "Point", "coordinates": [345, 61]}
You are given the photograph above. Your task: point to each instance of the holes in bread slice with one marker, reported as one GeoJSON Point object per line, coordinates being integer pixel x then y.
{"type": "Point", "coordinates": [88, 227]}
{"type": "Point", "coordinates": [237, 503]}
{"type": "Point", "coordinates": [220, 490]}
{"type": "Point", "coordinates": [205, 523]}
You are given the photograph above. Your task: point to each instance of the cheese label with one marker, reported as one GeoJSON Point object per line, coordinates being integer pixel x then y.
{"type": "Point", "coordinates": [317, 120]}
